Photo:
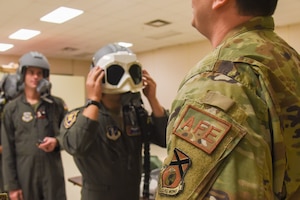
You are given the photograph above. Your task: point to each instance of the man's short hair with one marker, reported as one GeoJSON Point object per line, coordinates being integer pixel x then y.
{"type": "Point", "coordinates": [256, 7]}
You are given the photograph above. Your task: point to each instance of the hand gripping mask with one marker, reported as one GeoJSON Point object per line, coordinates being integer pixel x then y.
{"type": "Point", "coordinates": [123, 73]}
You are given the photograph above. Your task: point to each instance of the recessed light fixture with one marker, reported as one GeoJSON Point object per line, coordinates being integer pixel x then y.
{"type": "Point", "coordinates": [24, 34]}
{"type": "Point", "coordinates": [158, 23]}
{"type": "Point", "coordinates": [61, 15]}
{"type": "Point", "coordinates": [125, 44]}
{"type": "Point", "coordinates": [5, 47]}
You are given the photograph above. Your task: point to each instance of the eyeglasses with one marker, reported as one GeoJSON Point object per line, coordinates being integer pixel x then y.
{"type": "Point", "coordinates": [116, 71]}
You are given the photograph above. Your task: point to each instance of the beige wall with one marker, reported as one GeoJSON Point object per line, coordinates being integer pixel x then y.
{"type": "Point", "coordinates": [169, 65]}
{"type": "Point", "coordinates": [57, 66]}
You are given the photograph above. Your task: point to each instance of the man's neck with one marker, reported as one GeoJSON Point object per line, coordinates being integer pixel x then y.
{"type": "Point", "coordinates": [32, 96]}
{"type": "Point", "coordinates": [224, 26]}
{"type": "Point", "coordinates": [112, 103]}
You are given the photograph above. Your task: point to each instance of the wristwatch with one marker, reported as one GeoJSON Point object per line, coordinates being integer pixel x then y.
{"type": "Point", "coordinates": [92, 102]}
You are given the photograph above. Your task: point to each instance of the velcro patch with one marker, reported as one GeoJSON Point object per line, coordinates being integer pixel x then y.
{"type": "Point", "coordinates": [113, 133]}
{"type": "Point", "coordinates": [3, 196]}
{"type": "Point", "coordinates": [172, 176]}
{"type": "Point", "coordinates": [27, 116]}
{"type": "Point", "coordinates": [70, 118]}
{"type": "Point", "coordinates": [201, 128]}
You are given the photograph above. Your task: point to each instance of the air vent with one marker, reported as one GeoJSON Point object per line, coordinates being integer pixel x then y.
{"type": "Point", "coordinates": [158, 23]}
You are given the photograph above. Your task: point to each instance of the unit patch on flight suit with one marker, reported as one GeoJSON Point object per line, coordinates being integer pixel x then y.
{"type": "Point", "coordinates": [27, 116]}
{"type": "Point", "coordinates": [172, 176]}
{"type": "Point", "coordinates": [41, 114]}
{"type": "Point", "coordinates": [201, 128]}
{"type": "Point", "coordinates": [3, 196]}
{"type": "Point", "coordinates": [113, 133]}
{"type": "Point", "coordinates": [70, 118]}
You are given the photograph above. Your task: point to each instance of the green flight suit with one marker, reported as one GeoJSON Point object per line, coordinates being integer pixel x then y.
{"type": "Point", "coordinates": [1, 176]}
{"type": "Point", "coordinates": [39, 174]}
{"type": "Point", "coordinates": [108, 156]}
{"type": "Point", "coordinates": [234, 130]}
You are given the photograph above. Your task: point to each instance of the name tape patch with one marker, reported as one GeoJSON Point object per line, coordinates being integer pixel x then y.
{"type": "Point", "coordinates": [202, 129]}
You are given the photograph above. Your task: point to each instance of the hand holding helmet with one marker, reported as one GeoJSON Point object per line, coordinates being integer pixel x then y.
{"type": "Point", "coordinates": [149, 86]}
{"type": "Point", "coordinates": [123, 73]}
{"type": "Point", "coordinates": [94, 84]}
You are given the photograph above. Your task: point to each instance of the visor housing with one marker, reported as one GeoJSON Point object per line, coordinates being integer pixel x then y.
{"type": "Point", "coordinates": [123, 73]}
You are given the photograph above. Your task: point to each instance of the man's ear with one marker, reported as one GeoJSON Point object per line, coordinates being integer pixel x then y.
{"type": "Point", "coordinates": [219, 3]}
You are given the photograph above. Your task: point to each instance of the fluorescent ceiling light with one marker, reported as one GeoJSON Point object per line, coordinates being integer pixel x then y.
{"type": "Point", "coordinates": [125, 44]}
{"type": "Point", "coordinates": [5, 47]}
{"type": "Point", "coordinates": [24, 34]}
{"type": "Point", "coordinates": [61, 15]}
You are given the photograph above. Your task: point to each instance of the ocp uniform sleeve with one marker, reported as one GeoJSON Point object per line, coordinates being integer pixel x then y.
{"type": "Point", "coordinates": [218, 130]}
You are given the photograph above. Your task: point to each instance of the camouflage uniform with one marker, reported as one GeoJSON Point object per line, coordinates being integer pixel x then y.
{"type": "Point", "coordinates": [108, 155]}
{"type": "Point", "coordinates": [234, 127]}
{"type": "Point", "coordinates": [39, 174]}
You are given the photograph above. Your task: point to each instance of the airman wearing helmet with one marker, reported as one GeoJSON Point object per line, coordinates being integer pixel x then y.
{"type": "Point", "coordinates": [105, 136]}
{"type": "Point", "coordinates": [32, 166]}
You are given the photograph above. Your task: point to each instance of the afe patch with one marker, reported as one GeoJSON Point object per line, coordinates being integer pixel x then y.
{"type": "Point", "coordinates": [172, 176]}
{"type": "Point", "coordinates": [202, 129]}
{"type": "Point", "coordinates": [70, 118]}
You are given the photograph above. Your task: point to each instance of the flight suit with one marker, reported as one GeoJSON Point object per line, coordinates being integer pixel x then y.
{"type": "Point", "coordinates": [1, 177]}
{"type": "Point", "coordinates": [108, 154]}
{"type": "Point", "coordinates": [39, 174]}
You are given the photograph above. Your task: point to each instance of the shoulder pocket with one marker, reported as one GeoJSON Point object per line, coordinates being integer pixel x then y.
{"type": "Point", "coordinates": [206, 135]}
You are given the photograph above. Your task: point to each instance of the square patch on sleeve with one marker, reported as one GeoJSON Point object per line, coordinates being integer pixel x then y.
{"type": "Point", "coordinates": [202, 129]}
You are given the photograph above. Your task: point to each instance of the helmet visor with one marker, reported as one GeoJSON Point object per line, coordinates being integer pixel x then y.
{"type": "Point", "coordinates": [115, 73]}
{"type": "Point", "coordinates": [122, 74]}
